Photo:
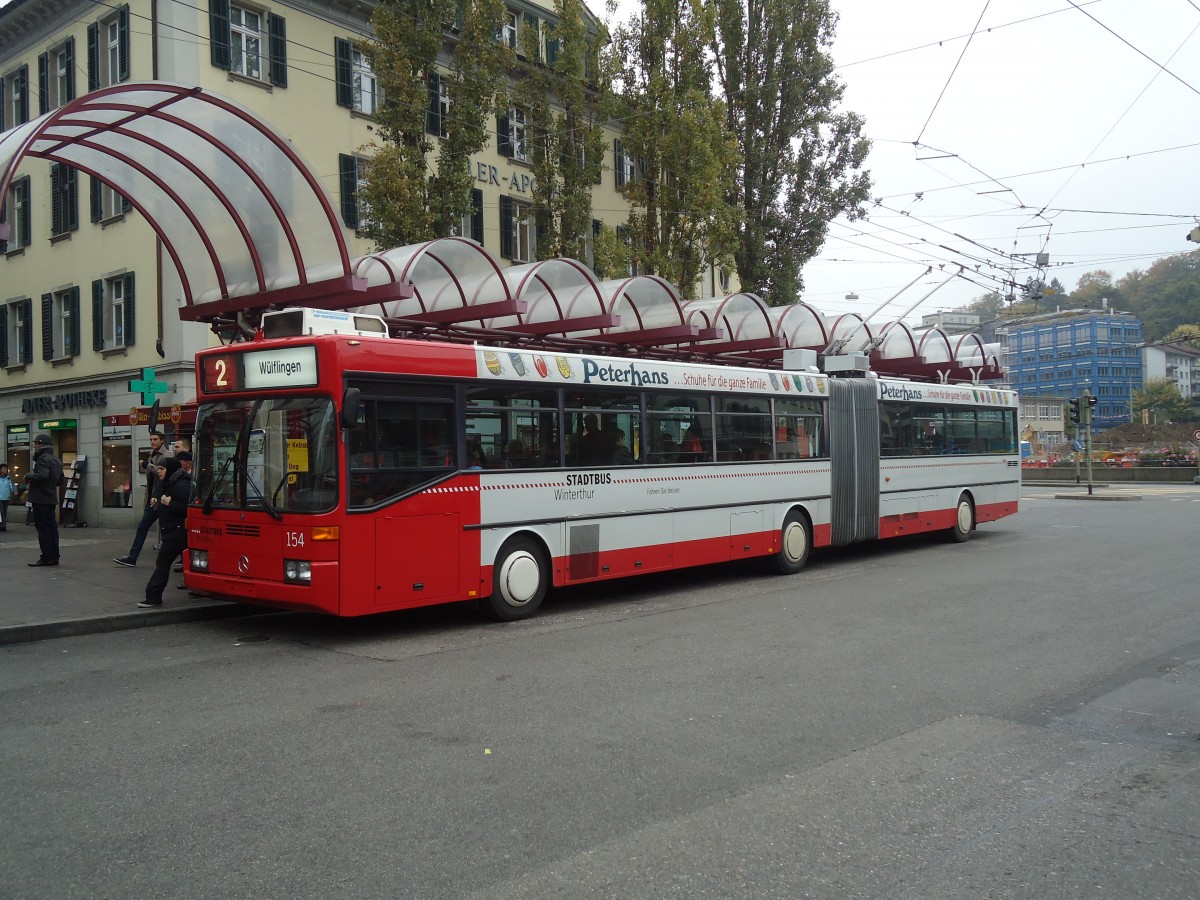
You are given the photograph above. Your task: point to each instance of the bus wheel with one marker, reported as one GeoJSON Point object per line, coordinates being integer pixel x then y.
{"type": "Point", "coordinates": [520, 580]}
{"type": "Point", "coordinates": [795, 540]}
{"type": "Point", "coordinates": [964, 520]}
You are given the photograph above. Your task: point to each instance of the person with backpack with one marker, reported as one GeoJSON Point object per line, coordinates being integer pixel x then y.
{"type": "Point", "coordinates": [44, 482]}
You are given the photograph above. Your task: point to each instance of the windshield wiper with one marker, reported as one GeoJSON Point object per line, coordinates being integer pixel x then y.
{"type": "Point", "coordinates": [208, 501]}
{"type": "Point", "coordinates": [271, 510]}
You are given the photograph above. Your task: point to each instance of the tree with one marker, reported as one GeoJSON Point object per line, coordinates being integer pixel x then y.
{"type": "Point", "coordinates": [681, 158]}
{"type": "Point", "coordinates": [562, 98]}
{"type": "Point", "coordinates": [800, 160]}
{"type": "Point", "coordinates": [1185, 334]}
{"type": "Point", "coordinates": [1162, 398]}
{"type": "Point", "coordinates": [403, 205]}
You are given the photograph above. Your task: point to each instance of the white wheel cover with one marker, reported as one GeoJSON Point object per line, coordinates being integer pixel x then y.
{"type": "Point", "coordinates": [964, 516]}
{"type": "Point", "coordinates": [520, 577]}
{"type": "Point", "coordinates": [794, 542]}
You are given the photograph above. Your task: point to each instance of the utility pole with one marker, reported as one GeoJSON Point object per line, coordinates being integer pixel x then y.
{"type": "Point", "coordinates": [1085, 408]}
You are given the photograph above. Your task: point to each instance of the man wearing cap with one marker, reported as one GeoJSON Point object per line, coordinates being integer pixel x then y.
{"type": "Point", "coordinates": [44, 482]}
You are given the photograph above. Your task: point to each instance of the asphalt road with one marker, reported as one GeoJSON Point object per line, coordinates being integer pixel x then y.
{"type": "Point", "coordinates": [1018, 716]}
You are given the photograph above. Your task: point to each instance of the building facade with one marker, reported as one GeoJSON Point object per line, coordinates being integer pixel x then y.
{"type": "Point", "coordinates": [78, 262]}
{"type": "Point", "coordinates": [1062, 354]}
{"type": "Point", "coordinates": [1178, 362]}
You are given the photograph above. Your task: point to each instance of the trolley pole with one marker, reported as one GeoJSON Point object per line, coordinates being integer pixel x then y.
{"type": "Point", "coordinates": [1085, 408]}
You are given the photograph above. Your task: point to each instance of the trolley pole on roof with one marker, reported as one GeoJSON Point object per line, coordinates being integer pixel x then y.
{"type": "Point", "coordinates": [835, 347]}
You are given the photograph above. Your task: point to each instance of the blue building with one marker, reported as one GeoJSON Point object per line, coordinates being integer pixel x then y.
{"type": "Point", "coordinates": [1062, 354]}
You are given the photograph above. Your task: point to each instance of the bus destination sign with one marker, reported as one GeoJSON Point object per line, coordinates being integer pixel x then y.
{"type": "Point", "coordinates": [286, 367]}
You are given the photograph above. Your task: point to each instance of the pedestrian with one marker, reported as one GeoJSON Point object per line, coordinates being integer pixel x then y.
{"type": "Point", "coordinates": [7, 492]}
{"type": "Point", "coordinates": [44, 482]}
{"type": "Point", "coordinates": [150, 513]}
{"type": "Point", "coordinates": [175, 486]}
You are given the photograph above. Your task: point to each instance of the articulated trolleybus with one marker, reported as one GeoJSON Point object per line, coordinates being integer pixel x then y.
{"type": "Point", "coordinates": [355, 473]}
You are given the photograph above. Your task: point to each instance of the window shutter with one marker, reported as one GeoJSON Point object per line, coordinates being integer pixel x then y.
{"type": "Point", "coordinates": [74, 301]}
{"type": "Point", "coordinates": [433, 115]}
{"type": "Point", "coordinates": [47, 327]}
{"type": "Point", "coordinates": [3, 337]}
{"type": "Point", "coordinates": [126, 206]}
{"type": "Point", "coordinates": [123, 43]}
{"type": "Point", "coordinates": [539, 237]}
{"type": "Point", "coordinates": [93, 53]}
{"type": "Point", "coordinates": [278, 51]}
{"type": "Point", "coordinates": [530, 22]}
{"type": "Point", "coordinates": [97, 315]}
{"type": "Point", "coordinates": [56, 204]}
{"type": "Point", "coordinates": [130, 318]}
{"type": "Point", "coordinates": [71, 197]}
{"type": "Point", "coordinates": [477, 215]}
{"type": "Point", "coordinates": [24, 221]}
{"type": "Point", "coordinates": [43, 83]}
{"type": "Point", "coordinates": [348, 175]}
{"type": "Point", "coordinates": [342, 72]}
{"type": "Point", "coordinates": [23, 98]}
{"type": "Point", "coordinates": [506, 227]}
{"type": "Point", "coordinates": [97, 198]}
{"type": "Point", "coordinates": [69, 51]}
{"type": "Point", "coordinates": [552, 48]}
{"type": "Point", "coordinates": [504, 145]}
{"type": "Point", "coordinates": [26, 348]}
{"type": "Point", "coordinates": [218, 34]}
{"type": "Point", "coordinates": [619, 162]}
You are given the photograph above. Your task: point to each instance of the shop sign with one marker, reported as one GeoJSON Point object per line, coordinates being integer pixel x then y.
{"type": "Point", "coordinates": [70, 400]}
{"type": "Point", "coordinates": [57, 424]}
{"type": "Point", "coordinates": [18, 435]}
{"type": "Point", "coordinates": [111, 431]}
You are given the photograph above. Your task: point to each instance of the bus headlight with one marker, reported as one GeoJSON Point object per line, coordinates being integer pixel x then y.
{"type": "Point", "coordinates": [199, 560]}
{"type": "Point", "coordinates": [297, 571]}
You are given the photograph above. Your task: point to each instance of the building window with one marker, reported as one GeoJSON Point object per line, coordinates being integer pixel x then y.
{"type": "Point", "coordinates": [471, 225]}
{"type": "Point", "coordinates": [518, 231]}
{"type": "Point", "coordinates": [60, 324]}
{"type": "Point", "coordinates": [16, 339]}
{"type": "Point", "coordinates": [352, 171]}
{"type": "Point", "coordinates": [14, 110]}
{"type": "Point", "coordinates": [108, 50]}
{"type": "Point", "coordinates": [245, 42]}
{"type": "Point", "coordinates": [56, 76]}
{"type": "Point", "coordinates": [624, 166]}
{"type": "Point", "coordinates": [112, 312]}
{"type": "Point", "coordinates": [437, 117]}
{"type": "Point", "coordinates": [248, 42]}
{"type": "Point", "coordinates": [511, 135]}
{"type": "Point", "coordinates": [16, 214]}
{"type": "Point", "coordinates": [64, 200]}
{"type": "Point", "coordinates": [106, 202]}
{"type": "Point", "coordinates": [357, 88]}
{"type": "Point", "coordinates": [508, 31]}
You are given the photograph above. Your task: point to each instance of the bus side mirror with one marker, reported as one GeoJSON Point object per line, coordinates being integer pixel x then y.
{"type": "Point", "coordinates": [350, 402]}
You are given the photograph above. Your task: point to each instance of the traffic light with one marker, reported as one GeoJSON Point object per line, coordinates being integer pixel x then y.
{"type": "Point", "coordinates": [1075, 417]}
{"type": "Point", "coordinates": [1088, 410]}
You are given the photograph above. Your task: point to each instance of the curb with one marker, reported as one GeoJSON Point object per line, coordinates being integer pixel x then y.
{"type": "Point", "coordinates": [1110, 497]}
{"type": "Point", "coordinates": [42, 631]}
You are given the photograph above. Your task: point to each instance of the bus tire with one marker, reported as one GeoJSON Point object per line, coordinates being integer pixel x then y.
{"type": "Point", "coordinates": [795, 542]}
{"type": "Point", "coordinates": [964, 520]}
{"type": "Point", "coordinates": [520, 580]}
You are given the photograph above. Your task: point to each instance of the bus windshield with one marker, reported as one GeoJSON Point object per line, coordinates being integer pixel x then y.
{"type": "Point", "coordinates": [278, 455]}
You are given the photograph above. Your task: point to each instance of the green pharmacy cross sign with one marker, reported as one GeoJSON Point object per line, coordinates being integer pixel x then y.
{"type": "Point", "coordinates": [148, 387]}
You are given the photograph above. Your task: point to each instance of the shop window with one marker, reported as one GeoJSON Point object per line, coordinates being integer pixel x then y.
{"type": "Point", "coordinates": [117, 477]}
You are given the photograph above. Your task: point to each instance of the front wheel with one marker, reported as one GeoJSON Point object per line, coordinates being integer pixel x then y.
{"type": "Point", "coordinates": [520, 580]}
{"type": "Point", "coordinates": [795, 541]}
{"type": "Point", "coordinates": [964, 520]}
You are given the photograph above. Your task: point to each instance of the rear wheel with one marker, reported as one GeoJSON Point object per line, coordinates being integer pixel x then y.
{"type": "Point", "coordinates": [795, 541]}
{"type": "Point", "coordinates": [520, 580]}
{"type": "Point", "coordinates": [964, 520]}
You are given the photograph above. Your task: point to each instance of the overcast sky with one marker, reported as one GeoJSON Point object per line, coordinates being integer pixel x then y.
{"type": "Point", "coordinates": [1041, 87]}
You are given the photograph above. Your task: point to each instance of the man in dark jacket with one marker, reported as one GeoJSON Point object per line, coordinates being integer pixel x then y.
{"type": "Point", "coordinates": [150, 511]}
{"type": "Point", "coordinates": [44, 482]}
{"type": "Point", "coordinates": [175, 486]}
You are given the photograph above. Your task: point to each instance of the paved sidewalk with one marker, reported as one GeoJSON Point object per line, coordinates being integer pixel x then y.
{"type": "Point", "coordinates": [87, 592]}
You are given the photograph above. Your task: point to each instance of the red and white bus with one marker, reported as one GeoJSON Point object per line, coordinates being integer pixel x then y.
{"type": "Point", "coordinates": [353, 474]}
